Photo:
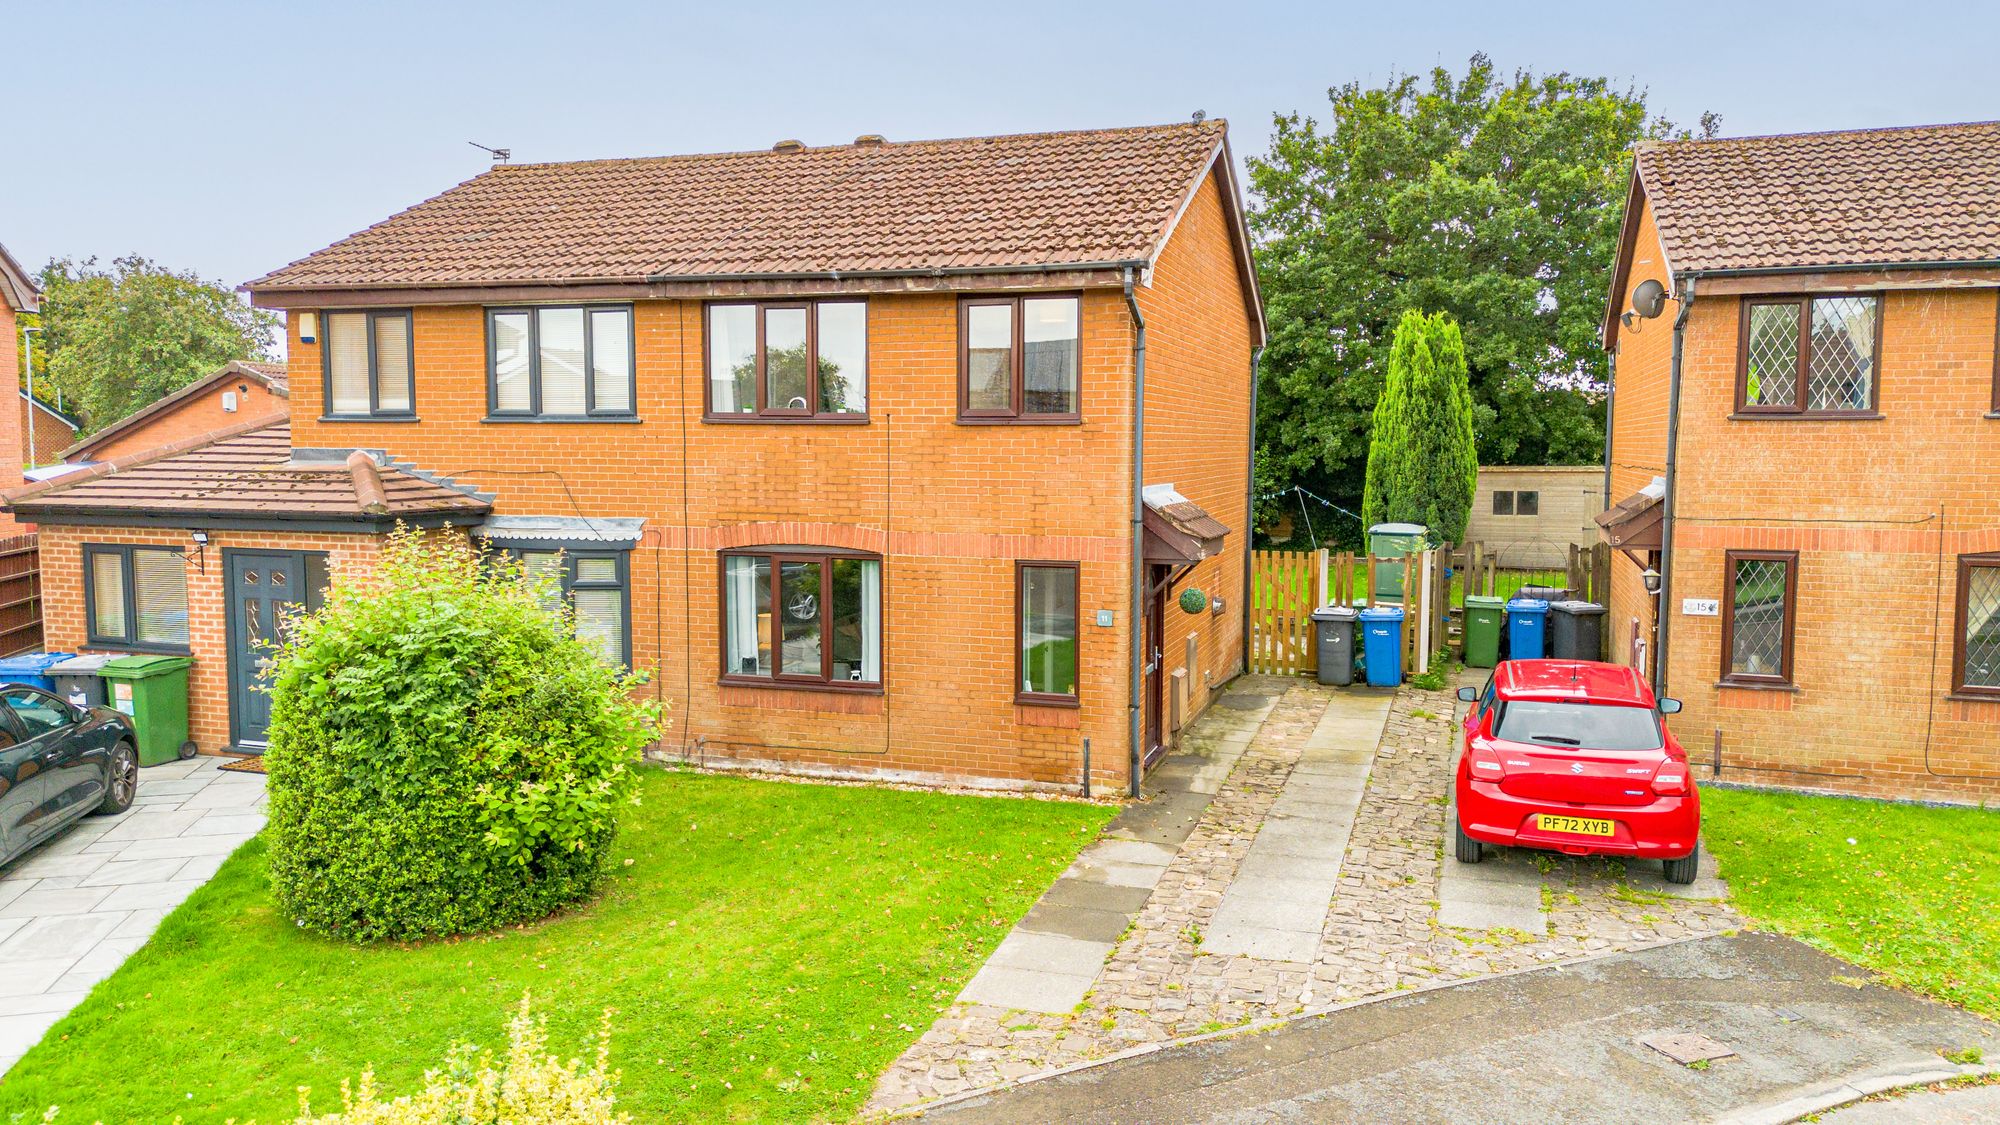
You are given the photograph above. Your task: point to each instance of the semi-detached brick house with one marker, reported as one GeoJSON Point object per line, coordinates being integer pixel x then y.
{"type": "Point", "coordinates": [239, 392]}
{"type": "Point", "coordinates": [1807, 441]}
{"type": "Point", "coordinates": [844, 445]}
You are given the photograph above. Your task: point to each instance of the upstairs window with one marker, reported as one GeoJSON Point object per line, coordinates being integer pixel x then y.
{"type": "Point", "coordinates": [1761, 589]}
{"type": "Point", "coordinates": [1978, 633]}
{"type": "Point", "coordinates": [368, 357]}
{"type": "Point", "coordinates": [594, 585]}
{"type": "Point", "coordinates": [1019, 359]}
{"type": "Point", "coordinates": [802, 617]}
{"type": "Point", "coordinates": [788, 359]}
{"type": "Point", "coordinates": [568, 363]}
{"type": "Point", "coordinates": [135, 597]}
{"type": "Point", "coordinates": [1809, 356]}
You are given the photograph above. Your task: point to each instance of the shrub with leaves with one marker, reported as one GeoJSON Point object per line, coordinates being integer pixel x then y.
{"type": "Point", "coordinates": [528, 1085]}
{"type": "Point", "coordinates": [445, 756]}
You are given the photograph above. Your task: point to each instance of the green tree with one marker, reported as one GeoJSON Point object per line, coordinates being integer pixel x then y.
{"type": "Point", "coordinates": [1496, 201]}
{"type": "Point", "coordinates": [115, 340]}
{"type": "Point", "coordinates": [1422, 461]}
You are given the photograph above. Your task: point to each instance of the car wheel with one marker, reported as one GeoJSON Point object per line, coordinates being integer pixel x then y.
{"type": "Point", "coordinates": [123, 782]}
{"type": "Point", "coordinates": [1469, 849]}
{"type": "Point", "coordinates": [1684, 869]}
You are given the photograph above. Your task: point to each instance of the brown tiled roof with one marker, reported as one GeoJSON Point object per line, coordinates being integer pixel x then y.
{"type": "Point", "coordinates": [272, 375]}
{"type": "Point", "coordinates": [1868, 197]}
{"type": "Point", "coordinates": [988, 203]}
{"type": "Point", "coordinates": [17, 286]}
{"type": "Point", "coordinates": [246, 473]}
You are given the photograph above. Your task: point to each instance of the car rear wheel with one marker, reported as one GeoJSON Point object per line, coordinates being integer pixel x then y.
{"type": "Point", "coordinates": [121, 783]}
{"type": "Point", "coordinates": [1683, 870]}
{"type": "Point", "coordinates": [1469, 849]}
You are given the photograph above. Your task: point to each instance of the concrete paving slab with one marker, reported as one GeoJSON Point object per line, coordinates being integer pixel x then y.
{"type": "Point", "coordinates": [1322, 868]}
{"type": "Point", "coordinates": [1025, 990]}
{"type": "Point", "coordinates": [140, 896]}
{"type": "Point", "coordinates": [1303, 914]}
{"type": "Point", "coordinates": [1081, 922]}
{"type": "Point", "coordinates": [1262, 942]}
{"type": "Point", "coordinates": [1471, 914]}
{"type": "Point", "coordinates": [150, 824]}
{"type": "Point", "coordinates": [26, 978]}
{"type": "Point", "coordinates": [1096, 896]}
{"type": "Point", "coordinates": [183, 847]}
{"type": "Point", "coordinates": [1049, 953]}
{"type": "Point", "coordinates": [20, 1032]}
{"type": "Point", "coordinates": [1116, 874]}
{"type": "Point", "coordinates": [64, 935]}
{"type": "Point", "coordinates": [65, 900]}
{"type": "Point", "coordinates": [1141, 852]}
{"type": "Point", "coordinates": [124, 872]}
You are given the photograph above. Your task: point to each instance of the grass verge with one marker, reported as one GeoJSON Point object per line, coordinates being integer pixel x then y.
{"type": "Point", "coordinates": [769, 949]}
{"type": "Point", "coordinates": [1906, 890]}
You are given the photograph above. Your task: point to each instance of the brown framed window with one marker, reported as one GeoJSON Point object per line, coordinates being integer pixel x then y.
{"type": "Point", "coordinates": [1045, 632]}
{"type": "Point", "coordinates": [1759, 608]}
{"type": "Point", "coordinates": [802, 360]}
{"type": "Point", "coordinates": [1019, 358]}
{"type": "Point", "coordinates": [1809, 356]}
{"type": "Point", "coordinates": [366, 360]}
{"type": "Point", "coordinates": [802, 616]}
{"type": "Point", "coordinates": [1977, 632]}
{"type": "Point", "coordinates": [1996, 357]}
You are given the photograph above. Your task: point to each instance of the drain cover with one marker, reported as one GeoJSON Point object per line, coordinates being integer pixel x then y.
{"type": "Point", "coordinates": [1685, 1047]}
{"type": "Point", "coordinates": [1244, 702]}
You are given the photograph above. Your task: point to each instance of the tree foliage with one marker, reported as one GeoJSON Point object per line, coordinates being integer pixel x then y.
{"type": "Point", "coordinates": [446, 757]}
{"type": "Point", "coordinates": [1422, 463]}
{"type": "Point", "coordinates": [116, 340]}
{"type": "Point", "coordinates": [1494, 200]}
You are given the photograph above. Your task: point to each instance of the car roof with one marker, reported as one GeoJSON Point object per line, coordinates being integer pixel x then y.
{"type": "Point", "coordinates": [1575, 681]}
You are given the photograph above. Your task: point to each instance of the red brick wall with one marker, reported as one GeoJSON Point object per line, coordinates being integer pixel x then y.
{"type": "Point", "coordinates": [1638, 441]}
{"type": "Point", "coordinates": [195, 416]}
{"type": "Point", "coordinates": [951, 508]}
{"type": "Point", "coordinates": [1878, 511]}
{"type": "Point", "coordinates": [63, 622]}
{"type": "Point", "coordinates": [44, 436]}
{"type": "Point", "coordinates": [1198, 425]}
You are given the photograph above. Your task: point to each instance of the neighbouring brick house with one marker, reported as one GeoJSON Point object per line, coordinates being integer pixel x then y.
{"type": "Point", "coordinates": [18, 294]}
{"type": "Point", "coordinates": [838, 444]}
{"type": "Point", "coordinates": [45, 432]}
{"type": "Point", "coordinates": [239, 393]}
{"type": "Point", "coordinates": [1805, 448]}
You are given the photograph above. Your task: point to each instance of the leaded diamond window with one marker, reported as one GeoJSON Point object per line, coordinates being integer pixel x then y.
{"type": "Point", "coordinates": [1809, 355]}
{"type": "Point", "coordinates": [1758, 618]}
{"type": "Point", "coordinates": [1979, 625]}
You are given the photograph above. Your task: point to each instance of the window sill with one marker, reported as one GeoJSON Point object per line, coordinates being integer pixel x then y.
{"type": "Point", "coordinates": [1963, 696]}
{"type": "Point", "coordinates": [786, 419]}
{"type": "Point", "coordinates": [1806, 416]}
{"type": "Point", "coordinates": [369, 418]}
{"type": "Point", "coordinates": [795, 685]}
{"type": "Point", "coordinates": [141, 649]}
{"type": "Point", "coordinates": [563, 419]}
{"type": "Point", "coordinates": [1757, 685]}
{"type": "Point", "coordinates": [1065, 420]}
{"type": "Point", "coordinates": [1993, 414]}
{"type": "Point", "coordinates": [1070, 702]}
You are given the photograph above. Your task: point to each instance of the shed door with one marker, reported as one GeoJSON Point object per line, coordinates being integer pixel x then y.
{"type": "Point", "coordinates": [264, 587]}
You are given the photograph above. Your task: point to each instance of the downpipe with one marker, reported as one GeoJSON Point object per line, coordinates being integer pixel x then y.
{"type": "Point", "coordinates": [1135, 708]}
{"type": "Point", "coordinates": [1663, 617]}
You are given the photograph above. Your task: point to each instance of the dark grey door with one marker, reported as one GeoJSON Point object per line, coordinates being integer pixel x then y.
{"type": "Point", "coordinates": [265, 587]}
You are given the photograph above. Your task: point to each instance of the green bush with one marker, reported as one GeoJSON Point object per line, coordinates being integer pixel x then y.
{"type": "Point", "coordinates": [445, 756]}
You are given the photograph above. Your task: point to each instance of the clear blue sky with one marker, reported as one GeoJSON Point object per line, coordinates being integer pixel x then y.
{"type": "Point", "coordinates": [232, 138]}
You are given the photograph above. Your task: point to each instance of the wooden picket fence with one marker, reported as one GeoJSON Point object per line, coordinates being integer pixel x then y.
{"type": "Point", "coordinates": [20, 594]}
{"type": "Point", "coordinates": [1286, 586]}
{"type": "Point", "coordinates": [1586, 575]}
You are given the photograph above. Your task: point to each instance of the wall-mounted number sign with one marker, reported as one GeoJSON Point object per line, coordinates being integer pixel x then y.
{"type": "Point", "coordinates": [1700, 607]}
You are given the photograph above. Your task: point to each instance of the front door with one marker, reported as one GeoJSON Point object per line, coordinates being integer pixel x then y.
{"type": "Point", "coordinates": [264, 588]}
{"type": "Point", "coordinates": [1155, 650]}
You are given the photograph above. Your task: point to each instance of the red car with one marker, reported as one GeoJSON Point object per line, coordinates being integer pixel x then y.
{"type": "Point", "coordinates": [1572, 756]}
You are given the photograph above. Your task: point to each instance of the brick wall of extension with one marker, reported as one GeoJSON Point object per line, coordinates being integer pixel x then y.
{"type": "Point", "coordinates": [1878, 510]}
{"type": "Point", "coordinates": [950, 507]}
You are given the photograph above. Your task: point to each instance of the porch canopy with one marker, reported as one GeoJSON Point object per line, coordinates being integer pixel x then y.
{"type": "Point", "coordinates": [1633, 524]}
{"type": "Point", "coordinates": [1178, 532]}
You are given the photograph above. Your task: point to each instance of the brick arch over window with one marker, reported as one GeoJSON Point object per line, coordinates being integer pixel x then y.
{"type": "Point", "coordinates": [842, 535]}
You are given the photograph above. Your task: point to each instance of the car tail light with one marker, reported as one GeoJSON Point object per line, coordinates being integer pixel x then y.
{"type": "Point", "coordinates": [1485, 763]}
{"type": "Point", "coordinates": [1671, 781]}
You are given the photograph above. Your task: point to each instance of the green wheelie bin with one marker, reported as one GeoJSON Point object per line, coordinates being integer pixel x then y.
{"type": "Point", "coordinates": [153, 692]}
{"type": "Point", "coordinates": [1482, 630]}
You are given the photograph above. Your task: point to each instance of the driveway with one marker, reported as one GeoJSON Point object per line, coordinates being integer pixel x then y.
{"type": "Point", "coordinates": [73, 909]}
{"type": "Point", "coordinates": [1290, 856]}
{"type": "Point", "coordinates": [1555, 1044]}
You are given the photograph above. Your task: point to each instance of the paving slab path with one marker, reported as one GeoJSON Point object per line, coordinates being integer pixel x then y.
{"type": "Point", "coordinates": [1326, 801]}
{"type": "Point", "coordinates": [1561, 1043]}
{"type": "Point", "coordinates": [73, 909]}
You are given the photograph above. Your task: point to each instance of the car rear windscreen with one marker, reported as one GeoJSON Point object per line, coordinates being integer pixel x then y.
{"type": "Point", "coordinates": [1591, 726]}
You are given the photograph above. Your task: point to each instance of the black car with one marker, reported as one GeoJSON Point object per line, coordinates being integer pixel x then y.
{"type": "Point", "coordinates": [59, 763]}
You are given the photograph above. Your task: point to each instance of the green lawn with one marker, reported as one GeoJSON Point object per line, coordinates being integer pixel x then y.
{"type": "Point", "coordinates": [769, 950]}
{"type": "Point", "coordinates": [1912, 897]}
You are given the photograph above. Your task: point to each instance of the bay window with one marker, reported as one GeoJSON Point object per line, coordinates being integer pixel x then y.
{"type": "Point", "coordinates": [802, 616]}
{"type": "Point", "coordinates": [788, 360]}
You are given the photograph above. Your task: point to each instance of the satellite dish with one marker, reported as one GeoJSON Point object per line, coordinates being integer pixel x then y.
{"type": "Point", "coordinates": [1649, 298]}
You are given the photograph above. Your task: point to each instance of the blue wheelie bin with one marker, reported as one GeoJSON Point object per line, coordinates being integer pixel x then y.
{"type": "Point", "coordinates": [1527, 627]}
{"type": "Point", "coordinates": [1382, 645]}
{"type": "Point", "coordinates": [32, 668]}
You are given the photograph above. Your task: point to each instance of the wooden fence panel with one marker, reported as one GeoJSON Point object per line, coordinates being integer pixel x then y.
{"type": "Point", "coordinates": [20, 594]}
